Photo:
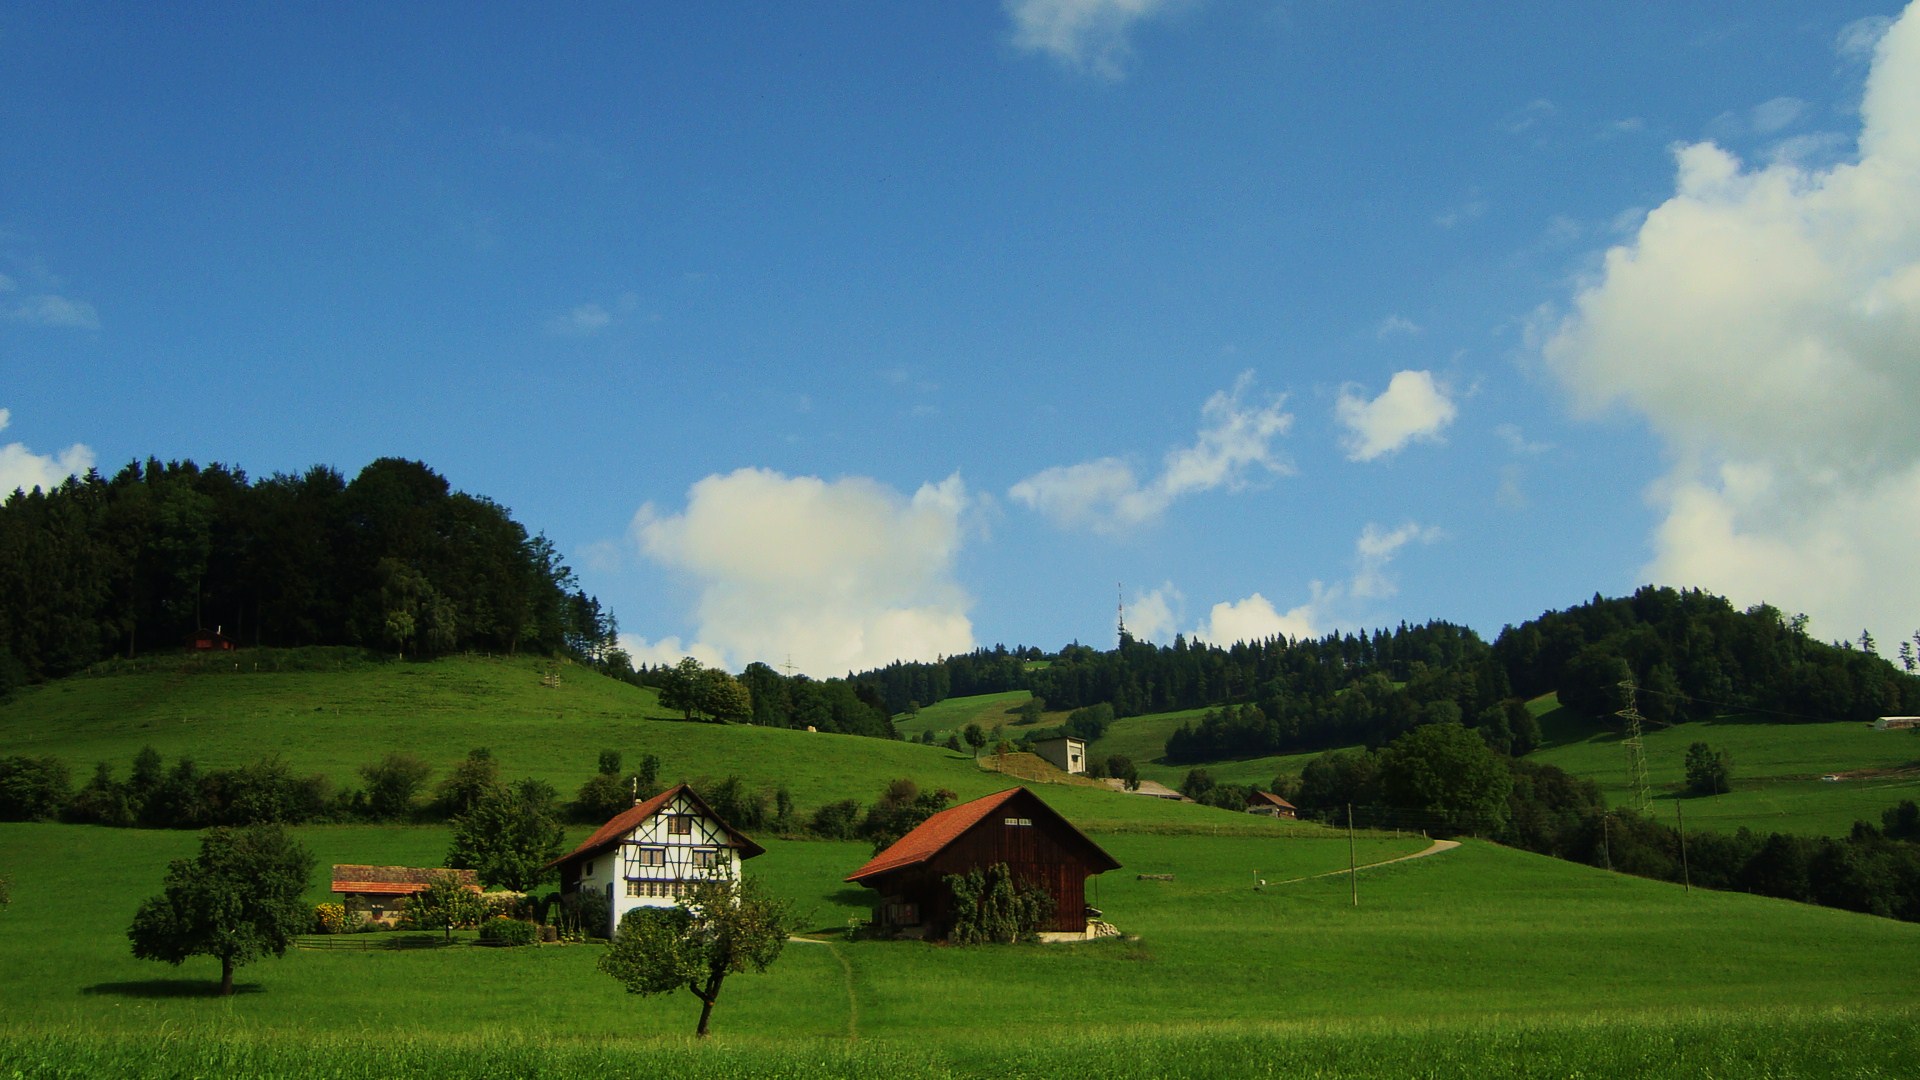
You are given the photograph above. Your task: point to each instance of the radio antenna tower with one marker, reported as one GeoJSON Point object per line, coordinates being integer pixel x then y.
{"type": "Point", "coordinates": [1120, 593]}
{"type": "Point", "coordinates": [1636, 753]}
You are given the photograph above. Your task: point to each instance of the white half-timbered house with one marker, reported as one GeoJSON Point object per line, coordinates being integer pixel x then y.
{"type": "Point", "coordinates": [652, 854]}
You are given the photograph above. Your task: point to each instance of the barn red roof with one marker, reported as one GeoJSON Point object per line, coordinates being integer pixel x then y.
{"type": "Point", "coordinates": [932, 836]}
{"type": "Point", "coordinates": [1268, 798]}
{"type": "Point", "coordinates": [608, 835]}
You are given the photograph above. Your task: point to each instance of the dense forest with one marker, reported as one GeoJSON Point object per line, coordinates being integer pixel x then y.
{"type": "Point", "coordinates": [1689, 653]}
{"type": "Point", "coordinates": [393, 560]}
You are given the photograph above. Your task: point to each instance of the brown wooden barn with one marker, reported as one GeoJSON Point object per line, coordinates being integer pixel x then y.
{"type": "Point", "coordinates": [1014, 827]}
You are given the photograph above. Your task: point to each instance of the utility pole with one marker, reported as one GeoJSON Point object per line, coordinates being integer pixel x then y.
{"type": "Point", "coordinates": [1353, 871]}
{"type": "Point", "coordinates": [1686, 874]}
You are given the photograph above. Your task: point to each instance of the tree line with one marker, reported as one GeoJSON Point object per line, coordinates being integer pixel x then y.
{"type": "Point", "coordinates": [1692, 654]}
{"type": "Point", "coordinates": [393, 560]}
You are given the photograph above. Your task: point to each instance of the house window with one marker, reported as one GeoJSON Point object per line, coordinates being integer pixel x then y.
{"type": "Point", "coordinates": [649, 856]}
{"type": "Point", "coordinates": [635, 888]}
{"type": "Point", "coordinates": [706, 858]}
{"type": "Point", "coordinates": [587, 871]}
{"type": "Point", "coordinates": [1019, 821]}
{"type": "Point", "coordinates": [680, 825]}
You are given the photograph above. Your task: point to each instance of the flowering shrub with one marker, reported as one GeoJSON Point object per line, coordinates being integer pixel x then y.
{"type": "Point", "coordinates": [331, 918]}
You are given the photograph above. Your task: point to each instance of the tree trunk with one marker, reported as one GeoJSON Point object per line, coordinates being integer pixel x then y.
{"type": "Point", "coordinates": [226, 976]}
{"type": "Point", "coordinates": [707, 998]}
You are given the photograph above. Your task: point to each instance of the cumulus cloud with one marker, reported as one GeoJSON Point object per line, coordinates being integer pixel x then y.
{"type": "Point", "coordinates": [1088, 36]}
{"type": "Point", "coordinates": [1413, 406]}
{"type": "Point", "coordinates": [1394, 325]}
{"type": "Point", "coordinates": [1152, 615]}
{"type": "Point", "coordinates": [1255, 619]}
{"type": "Point", "coordinates": [1765, 321]}
{"type": "Point", "coordinates": [581, 321]}
{"type": "Point", "coordinates": [668, 651]}
{"type": "Point", "coordinates": [1106, 495]}
{"type": "Point", "coordinates": [23, 470]}
{"type": "Point", "coordinates": [839, 575]}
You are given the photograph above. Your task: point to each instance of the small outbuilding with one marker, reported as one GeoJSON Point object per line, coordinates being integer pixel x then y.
{"type": "Point", "coordinates": [1267, 804]}
{"type": "Point", "coordinates": [654, 853]}
{"type": "Point", "coordinates": [210, 641]}
{"type": "Point", "coordinates": [383, 889]}
{"type": "Point", "coordinates": [1039, 847]}
{"type": "Point", "coordinates": [1065, 752]}
{"type": "Point", "coordinates": [1896, 723]}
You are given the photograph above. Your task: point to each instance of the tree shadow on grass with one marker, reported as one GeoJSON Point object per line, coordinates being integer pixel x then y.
{"type": "Point", "coordinates": [168, 988]}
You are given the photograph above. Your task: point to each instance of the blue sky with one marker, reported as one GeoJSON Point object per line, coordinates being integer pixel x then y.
{"type": "Point", "coordinates": [837, 333]}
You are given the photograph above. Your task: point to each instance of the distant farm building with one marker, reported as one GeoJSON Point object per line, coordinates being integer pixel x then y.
{"type": "Point", "coordinates": [382, 889]}
{"type": "Point", "coordinates": [655, 853]}
{"type": "Point", "coordinates": [1896, 723]}
{"type": "Point", "coordinates": [1067, 754]}
{"type": "Point", "coordinates": [1039, 847]}
{"type": "Point", "coordinates": [1268, 804]}
{"type": "Point", "coordinates": [210, 641]}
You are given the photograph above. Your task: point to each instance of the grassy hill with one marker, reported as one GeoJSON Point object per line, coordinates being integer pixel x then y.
{"type": "Point", "coordinates": [1481, 961]}
{"type": "Point", "coordinates": [1777, 769]}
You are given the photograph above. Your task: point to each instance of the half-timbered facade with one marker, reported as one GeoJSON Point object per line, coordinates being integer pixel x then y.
{"type": "Point", "coordinates": [1015, 827]}
{"type": "Point", "coordinates": [652, 854]}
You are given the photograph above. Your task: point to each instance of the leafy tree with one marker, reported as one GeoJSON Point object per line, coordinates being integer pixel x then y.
{"type": "Point", "coordinates": [33, 789]}
{"type": "Point", "coordinates": [509, 836]}
{"type": "Point", "coordinates": [1030, 710]}
{"type": "Point", "coordinates": [953, 743]}
{"type": "Point", "coordinates": [470, 781]}
{"type": "Point", "coordinates": [989, 905]}
{"type": "Point", "coordinates": [901, 808]}
{"type": "Point", "coordinates": [444, 905]}
{"type": "Point", "coordinates": [1447, 771]}
{"type": "Point", "coordinates": [836, 820]}
{"type": "Point", "coordinates": [392, 783]}
{"type": "Point", "coordinates": [681, 688]}
{"type": "Point", "coordinates": [1709, 772]}
{"type": "Point", "coordinates": [1199, 783]}
{"type": "Point", "coordinates": [723, 697]}
{"type": "Point", "coordinates": [718, 929]}
{"type": "Point", "coordinates": [238, 900]}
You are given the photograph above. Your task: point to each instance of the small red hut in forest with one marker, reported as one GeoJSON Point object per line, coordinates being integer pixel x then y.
{"type": "Point", "coordinates": [1040, 848]}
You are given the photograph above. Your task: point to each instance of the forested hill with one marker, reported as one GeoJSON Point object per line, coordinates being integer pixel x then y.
{"type": "Point", "coordinates": [1691, 653]}
{"type": "Point", "coordinates": [393, 560]}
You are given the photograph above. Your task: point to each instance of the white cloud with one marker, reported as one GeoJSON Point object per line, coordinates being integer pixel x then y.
{"type": "Point", "coordinates": [1255, 619]}
{"type": "Point", "coordinates": [1765, 321]}
{"type": "Point", "coordinates": [1089, 36]}
{"type": "Point", "coordinates": [838, 575]}
{"type": "Point", "coordinates": [1376, 549]}
{"type": "Point", "coordinates": [1858, 39]}
{"type": "Point", "coordinates": [1777, 114]}
{"type": "Point", "coordinates": [1528, 116]}
{"type": "Point", "coordinates": [23, 470]}
{"type": "Point", "coordinates": [1396, 324]}
{"type": "Point", "coordinates": [1151, 616]}
{"type": "Point", "coordinates": [669, 651]}
{"type": "Point", "coordinates": [1106, 496]}
{"type": "Point", "coordinates": [1413, 406]}
{"type": "Point", "coordinates": [47, 309]}
{"type": "Point", "coordinates": [1518, 442]}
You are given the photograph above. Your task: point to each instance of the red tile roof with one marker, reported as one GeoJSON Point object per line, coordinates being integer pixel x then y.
{"type": "Point", "coordinates": [608, 835]}
{"type": "Point", "coordinates": [932, 836]}
{"type": "Point", "coordinates": [394, 880]}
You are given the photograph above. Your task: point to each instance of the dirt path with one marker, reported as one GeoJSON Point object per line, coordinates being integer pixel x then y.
{"type": "Point", "coordinates": [1434, 848]}
{"type": "Point", "coordinates": [846, 978]}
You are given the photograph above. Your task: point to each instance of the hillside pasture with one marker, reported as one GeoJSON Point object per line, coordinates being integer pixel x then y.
{"type": "Point", "coordinates": [1777, 770]}
{"type": "Point", "coordinates": [951, 717]}
{"type": "Point", "coordinates": [1472, 956]}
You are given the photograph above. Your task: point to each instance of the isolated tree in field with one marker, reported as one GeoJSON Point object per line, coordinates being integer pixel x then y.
{"type": "Point", "coordinates": [509, 836]}
{"type": "Point", "coordinates": [238, 900]}
{"type": "Point", "coordinates": [681, 689]}
{"type": "Point", "coordinates": [1709, 771]}
{"type": "Point", "coordinates": [470, 781]}
{"type": "Point", "coordinates": [975, 735]}
{"type": "Point", "coordinates": [718, 929]}
{"type": "Point", "coordinates": [444, 905]}
{"type": "Point", "coordinates": [724, 698]}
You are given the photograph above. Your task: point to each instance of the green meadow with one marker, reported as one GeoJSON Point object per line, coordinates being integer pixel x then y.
{"type": "Point", "coordinates": [1253, 959]}
{"type": "Point", "coordinates": [1777, 770]}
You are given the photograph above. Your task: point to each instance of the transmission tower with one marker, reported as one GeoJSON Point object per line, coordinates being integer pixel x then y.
{"type": "Point", "coordinates": [1636, 753]}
